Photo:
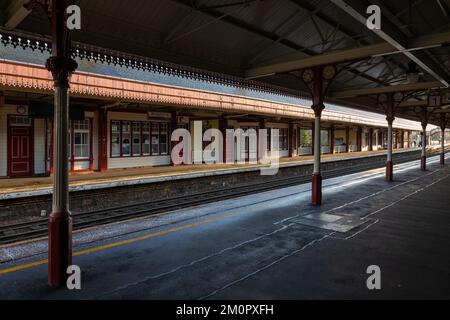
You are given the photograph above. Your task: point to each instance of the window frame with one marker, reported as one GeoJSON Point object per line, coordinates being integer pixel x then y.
{"type": "Point", "coordinates": [73, 132]}
{"type": "Point", "coordinates": [143, 133]}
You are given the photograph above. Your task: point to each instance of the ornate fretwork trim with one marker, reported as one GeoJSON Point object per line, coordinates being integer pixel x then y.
{"type": "Point", "coordinates": [110, 57]}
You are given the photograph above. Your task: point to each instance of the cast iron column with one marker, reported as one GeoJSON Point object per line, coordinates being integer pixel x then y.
{"type": "Point", "coordinates": [318, 106]}
{"type": "Point", "coordinates": [316, 198]}
{"type": "Point", "coordinates": [318, 80]}
{"type": "Point", "coordinates": [423, 158]}
{"type": "Point", "coordinates": [424, 122]}
{"type": "Point", "coordinates": [443, 146]}
{"type": "Point", "coordinates": [60, 222]}
{"type": "Point", "coordinates": [332, 139]}
{"type": "Point", "coordinates": [291, 139]}
{"type": "Point", "coordinates": [102, 140]}
{"type": "Point", "coordinates": [390, 117]}
{"type": "Point", "coordinates": [173, 127]}
{"type": "Point", "coordinates": [443, 125]}
{"type": "Point", "coordinates": [389, 163]}
{"type": "Point", "coordinates": [347, 139]}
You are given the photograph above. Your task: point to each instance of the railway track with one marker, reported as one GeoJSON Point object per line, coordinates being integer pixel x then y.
{"type": "Point", "coordinates": [29, 230]}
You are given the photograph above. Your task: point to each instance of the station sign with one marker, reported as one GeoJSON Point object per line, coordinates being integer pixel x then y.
{"type": "Point", "coordinates": [182, 120]}
{"type": "Point", "coordinates": [159, 115]}
{"type": "Point", "coordinates": [434, 100]}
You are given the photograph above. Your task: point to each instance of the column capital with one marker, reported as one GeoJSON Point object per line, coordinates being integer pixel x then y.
{"type": "Point", "coordinates": [390, 102]}
{"type": "Point", "coordinates": [318, 80]}
{"type": "Point", "coordinates": [390, 119]}
{"type": "Point", "coordinates": [318, 108]}
{"type": "Point", "coordinates": [61, 68]}
{"type": "Point", "coordinates": [424, 125]}
{"type": "Point", "coordinates": [443, 123]}
{"type": "Point", "coordinates": [424, 115]}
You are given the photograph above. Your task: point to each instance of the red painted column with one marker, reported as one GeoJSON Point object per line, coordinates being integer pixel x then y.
{"type": "Point", "coordinates": [318, 106]}
{"type": "Point", "coordinates": [316, 187]}
{"type": "Point", "coordinates": [60, 222]}
{"type": "Point", "coordinates": [223, 126]}
{"type": "Point", "coordinates": [332, 139]}
{"type": "Point", "coordinates": [52, 141]}
{"type": "Point", "coordinates": [347, 139]}
{"type": "Point", "coordinates": [317, 80]}
{"type": "Point", "coordinates": [389, 163]}
{"type": "Point", "coordinates": [443, 126]}
{"type": "Point", "coordinates": [291, 139]}
{"type": "Point", "coordinates": [390, 117]}
{"type": "Point", "coordinates": [173, 127]}
{"type": "Point", "coordinates": [359, 139]}
{"type": "Point", "coordinates": [423, 158]}
{"type": "Point", "coordinates": [403, 139]}
{"type": "Point", "coordinates": [102, 140]}
{"type": "Point", "coordinates": [443, 146]}
{"type": "Point", "coordinates": [424, 122]}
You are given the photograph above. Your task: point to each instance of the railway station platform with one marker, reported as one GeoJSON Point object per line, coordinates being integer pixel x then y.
{"type": "Point", "coordinates": [272, 245]}
{"type": "Point", "coordinates": [24, 187]}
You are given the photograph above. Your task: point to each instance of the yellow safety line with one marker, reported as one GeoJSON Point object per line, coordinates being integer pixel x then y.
{"type": "Point", "coordinates": [123, 242]}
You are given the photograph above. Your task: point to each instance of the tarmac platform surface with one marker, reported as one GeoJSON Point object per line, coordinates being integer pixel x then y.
{"type": "Point", "coordinates": [271, 245]}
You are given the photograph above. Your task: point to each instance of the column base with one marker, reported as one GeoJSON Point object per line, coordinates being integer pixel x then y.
{"type": "Point", "coordinates": [316, 189]}
{"type": "Point", "coordinates": [423, 163]}
{"type": "Point", "coordinates": [389, 171]}
{"type": "Point", "coordinates": [59, 248]}
{"type": "Point", "coordinates": [443, 158]}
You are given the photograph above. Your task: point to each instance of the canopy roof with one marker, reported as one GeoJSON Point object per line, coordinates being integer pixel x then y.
{"type": "Point", "coordinates": [269, 41]}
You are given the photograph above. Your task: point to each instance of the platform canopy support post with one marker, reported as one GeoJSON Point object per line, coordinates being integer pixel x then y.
{"type": "Point", "coordinates": [316, 196]}
{"type": "Point", "coordinates": [347, 139]}
{"type": "Point", "coordinates": [443, 126]}
{"type": "Point", "coordinates": [60, 223]}
{"type": "Point", "coordinates": [173, 127]}
{"type": "Point", "coordinates": [291, 139]}
{"type": "Point", "coordinates": [424, 123]}
{"type": "Point", "coordinates": [390, 102]}
{"type": "Point", "coordinates": [318, 80]}
{"type": "Point", "coordinates": [370, 139]}
{"type": "Point", "coordinates": [389, 163]}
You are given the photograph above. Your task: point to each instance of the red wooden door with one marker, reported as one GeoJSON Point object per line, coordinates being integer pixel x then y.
{"type": "Point", "coordinates": [20, 151]}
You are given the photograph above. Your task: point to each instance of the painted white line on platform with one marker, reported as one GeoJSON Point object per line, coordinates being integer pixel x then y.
{"type": "Point", "coordinates": [309, 244]}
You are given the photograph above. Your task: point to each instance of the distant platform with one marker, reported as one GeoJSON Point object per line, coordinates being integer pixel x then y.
{"type": "Point", "coordinates": [34, 186]}
{"type": "Point", "coordinates": [25, 187]}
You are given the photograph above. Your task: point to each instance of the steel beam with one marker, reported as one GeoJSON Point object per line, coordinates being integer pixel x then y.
{"type": "Point", "coordinates": [393, 36]}
{"type": "Point", "coordinates": [16, 13]}
{"type": "Point", "coordinates": [387, 89]}
{"type": "Point", "coordinates": [320, 59]}
{"type": "Point", "coordinates": [348, 55]}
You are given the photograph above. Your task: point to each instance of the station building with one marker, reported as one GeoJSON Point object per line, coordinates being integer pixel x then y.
{"type": "Point", "coordinates": [122, 113]}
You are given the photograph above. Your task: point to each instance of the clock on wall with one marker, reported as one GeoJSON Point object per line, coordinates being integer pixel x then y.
{"type": "Point", "coordinates": [21, 110]}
